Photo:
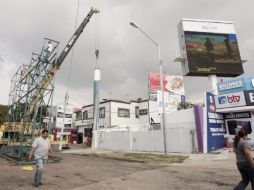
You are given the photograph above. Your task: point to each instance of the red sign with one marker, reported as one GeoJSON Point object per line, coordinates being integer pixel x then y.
{"type": "Point", "coordinates": [233, 98]}
{"type": "Point", "coordinates": [171, 84]}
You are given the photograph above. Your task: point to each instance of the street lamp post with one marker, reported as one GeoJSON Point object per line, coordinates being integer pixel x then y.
{"type": "Point", "coordinates": [133, 24]}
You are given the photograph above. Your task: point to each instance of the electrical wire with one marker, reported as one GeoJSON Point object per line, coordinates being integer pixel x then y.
{"type": "Point", "coordinates": [72, 52]}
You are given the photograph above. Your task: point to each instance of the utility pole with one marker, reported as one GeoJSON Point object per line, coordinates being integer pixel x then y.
{"type": "Point", "coordinates": [62, 128]}
{"type": "Point", "coordinates": [163, 120]}
{"type": "Point", "coordinates": [96, 99]}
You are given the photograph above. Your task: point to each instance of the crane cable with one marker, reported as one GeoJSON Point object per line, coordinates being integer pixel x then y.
{"type": "Point", "coordinates": [72, 52]}
{"type": "Point", "coordinates": [96, 40]}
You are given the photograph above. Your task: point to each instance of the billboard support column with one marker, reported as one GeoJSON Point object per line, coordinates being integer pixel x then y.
{"type": "Point", "coordinates": [213, 80]}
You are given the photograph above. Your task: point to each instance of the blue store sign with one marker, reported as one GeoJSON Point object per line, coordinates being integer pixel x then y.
{"type": "Point", "coordinates": [215, 125]}
{"type": "Point", "coordinates": [236, 85]}
{"type": "Point", "coordinates": [249, 97]}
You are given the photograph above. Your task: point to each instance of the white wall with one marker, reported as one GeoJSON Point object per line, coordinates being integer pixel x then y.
{"type": "Point", "coordinates": [180, 116]}
{"type": "Point", "coordinates": [153, 110]}
{"type": "Point", "coordinates": [147, 141]}
{"type": "Point", "coordinates": [105, 122]}
{"type": "Point", "coordinates": [178, 136]}
{"type": "Point", "coordinates": [111, 114]}
{"type": "Point", "coordinates": [132, 120]}
{"type": "Point", "coordinates": [60, 109]}
{"type": "Point", "coordinates": [143, 119]}
{"type": "Point", "coordinates": [114, 140]}
{"type": "Point", "coordinates": [178, 129]}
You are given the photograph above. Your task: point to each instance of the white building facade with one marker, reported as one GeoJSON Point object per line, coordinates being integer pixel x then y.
{"type": "Point", "coordinates": [112, 114]}
{"type": "Point", "coordinates": [62, 117]}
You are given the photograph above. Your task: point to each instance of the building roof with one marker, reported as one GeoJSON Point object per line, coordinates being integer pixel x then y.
{"type": "Point", "coordinates": [118, 101]}
{"type": "Point", "coordinates": [75, 110]}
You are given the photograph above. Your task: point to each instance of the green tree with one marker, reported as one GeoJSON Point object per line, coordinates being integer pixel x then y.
{"type": "Point", "coordinates": [3, 113]}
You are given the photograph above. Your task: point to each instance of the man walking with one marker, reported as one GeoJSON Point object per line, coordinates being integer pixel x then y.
{"type": "Point", "coordinates": [41, 149]}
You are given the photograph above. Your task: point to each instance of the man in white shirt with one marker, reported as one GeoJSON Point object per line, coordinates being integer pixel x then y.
{"type": "Point", "coordinates": [47, 51]}
{"type": "Point", "coordinates": [41, 149]}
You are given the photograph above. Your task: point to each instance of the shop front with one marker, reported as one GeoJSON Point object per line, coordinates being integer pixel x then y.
{"type": "Point", "coordinates": [236, 102]}
{"type": "Point", "coordinates": [235, 121]}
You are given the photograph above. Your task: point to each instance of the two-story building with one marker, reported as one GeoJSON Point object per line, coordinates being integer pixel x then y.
{"type": "Point", "coordinates": [63, 118]}
{"type": "Point", "coordinates": [112, 113]}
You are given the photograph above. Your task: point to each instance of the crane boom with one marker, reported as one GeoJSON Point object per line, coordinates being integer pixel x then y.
{"type": "Point", "coordinates": [60, 60]}
{"type": "Point", "coordinates": [75, 36]}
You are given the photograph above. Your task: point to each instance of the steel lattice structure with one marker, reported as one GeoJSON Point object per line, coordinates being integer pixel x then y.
{"type": "Point", "coordinates": [31, 94]}
{"type": "Point", "coordinates": [29, 100]}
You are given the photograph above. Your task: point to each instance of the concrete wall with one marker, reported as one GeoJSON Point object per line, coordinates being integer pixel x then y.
{"type": "Point", "coordinates": [179, 126]}
{"type": "Point", "coordinates": [143, 119]}
{"type": "Point", "coordinates": [150, 141]}
{"type": "Point", "coordinates": [179, 138]}
{"type": "Point", "coordinates": [153, 110]}
{"type": "Point", "coordinates": [114, 140]}
{"type": "Point", "coordinates": [132, 120]}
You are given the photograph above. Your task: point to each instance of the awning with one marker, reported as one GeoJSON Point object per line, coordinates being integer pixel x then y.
{"type": "Point", "coordinates": [235, 109]}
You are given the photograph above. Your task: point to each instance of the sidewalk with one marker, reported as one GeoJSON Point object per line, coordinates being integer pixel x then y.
{"type": "Point", "coordinates": [222, 154]}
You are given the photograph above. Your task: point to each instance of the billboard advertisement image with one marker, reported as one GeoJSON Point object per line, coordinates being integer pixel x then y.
{"type": "Point", "coordinates": [173, 91]}
{"type": "Point", "coordinates": [171, 84]}
{"type": "Point", "coordinates": [211, 48]}
{"type": "Point", "coordinates": [213, 53]}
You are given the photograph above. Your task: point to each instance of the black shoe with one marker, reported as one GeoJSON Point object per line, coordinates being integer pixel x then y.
{"type": "Point", "coordinates": [36, 185]}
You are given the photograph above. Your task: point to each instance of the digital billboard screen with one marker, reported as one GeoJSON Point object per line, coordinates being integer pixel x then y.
{"type": "Point", "coordinates": [212, 53]}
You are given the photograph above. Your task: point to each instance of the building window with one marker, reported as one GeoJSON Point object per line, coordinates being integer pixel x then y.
{"type": "Point", "coordinates": [85, 116]}
{"type": "Point", "coordinates": [67, 125]}
{"type": "Point", "coordinates": [123, 112]}
{"type": "Point", "coordinates": [90, 114]}
{"type": "Point", "coordinates": [60, 114]}
{"type": "Point", "coordinates": [137, 112]}
{"type": "Point", "coordinates": [143, 112]}
{"type": "Point", "coordinates": [78, 115]}
{"type": "Point", "coordinates": [102, 112]}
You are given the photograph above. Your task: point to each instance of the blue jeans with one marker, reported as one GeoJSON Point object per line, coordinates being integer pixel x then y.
{"type": "Point", "coordinates": [45, 55]}
{"type": "Point", "coordinates": [40, 162]}
{"type": "Point", "coordinates": [247, 173]}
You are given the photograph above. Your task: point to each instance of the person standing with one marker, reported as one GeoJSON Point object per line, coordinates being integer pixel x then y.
{"type": "Point", "coordinates": [209, 46]}
{"type": "Point", "coordinates": [41, 149]}
{"type": "Point", "coordinates": [47, 51]}
{"type": "Point", "coordinates": [244, 160]}
{"type": "Point", "coordinates": [228, 47]}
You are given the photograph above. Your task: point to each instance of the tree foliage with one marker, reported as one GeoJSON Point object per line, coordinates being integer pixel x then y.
{"type": "Point", "coordinates": [3, 113]}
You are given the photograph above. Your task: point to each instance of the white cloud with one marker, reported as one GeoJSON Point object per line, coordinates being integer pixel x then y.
{"type": "Point", "coordinates": [126, 56]}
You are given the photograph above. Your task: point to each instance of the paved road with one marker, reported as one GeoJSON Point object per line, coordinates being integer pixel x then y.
{"type": "Point", "coordinates": [86, 173]}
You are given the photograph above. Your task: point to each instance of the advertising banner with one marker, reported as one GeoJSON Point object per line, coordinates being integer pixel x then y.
{"type": "Point", "coordinates": [173, 91]}
{"type": "Point", "coordinates": [171, 84]}
{"type": "Point", "coordinates": [171, 101]}
{"type": "Point", "coordinates": [230, 100]}
{"type": "Point", "coordinates": [240, 115]}
{"type": "Point", "coordinates": [215, 125]}
{"type": "Point", "coordinates": [211, 48]}
{"type": "Point", "coordinates": [229, 85]}
{"type": "Point", "coordinates": [249, 97]}
{"type": "Point", "coordinates": [236, 85]}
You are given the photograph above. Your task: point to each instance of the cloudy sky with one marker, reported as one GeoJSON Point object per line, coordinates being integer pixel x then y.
{"type": "Point", "coordinates": [126, 56]}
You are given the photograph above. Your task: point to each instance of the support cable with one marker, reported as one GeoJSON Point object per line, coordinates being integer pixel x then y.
{"type": "Point", "coordinates": [96, 40]}
{"type": "Point", "coordinates": [72, 52]}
